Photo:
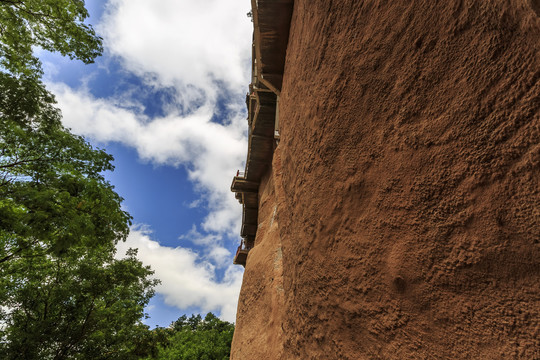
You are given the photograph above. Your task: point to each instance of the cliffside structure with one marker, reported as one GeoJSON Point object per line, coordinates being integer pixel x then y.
{"type": "Point", "coordinates": [271, 21]}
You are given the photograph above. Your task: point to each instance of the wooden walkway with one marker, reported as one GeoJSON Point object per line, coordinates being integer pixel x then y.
{"type": "Point", "coordinates": [271, 22]}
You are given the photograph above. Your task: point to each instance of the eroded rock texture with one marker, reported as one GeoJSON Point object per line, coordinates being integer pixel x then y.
{"type": "Point", "coordinates": [401, 216]}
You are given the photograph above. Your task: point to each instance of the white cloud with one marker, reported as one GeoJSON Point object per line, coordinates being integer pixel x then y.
{"type": "Point", "coordinates": [220, 256]}
{"type": "Point", "coordinates": [182, 43]}
{"type": "Point", "coordinates": [210, 151]}
{"type": "Point", "coordinates": [212, 243]}
{"type": "Point", "coordinates": [197, 238]}
{"type": "Point", "coordinates": [187, 279]}
{"type": "Point", "coordinates": [194, 204]}
{"type": "Point", "coordinates": [200, 49]}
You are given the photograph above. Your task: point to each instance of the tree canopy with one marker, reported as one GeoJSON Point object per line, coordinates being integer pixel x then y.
{"type": "Point", "coordinates": [53, 25]}
{"type": "Point", "coordinates": [82, 305]}
{"type": "Point", "coordinates": [192, 338]}
{"type": "Point", "coordinates": [64, 293]}
{"type": "Point", "coordinates": [52, 191]}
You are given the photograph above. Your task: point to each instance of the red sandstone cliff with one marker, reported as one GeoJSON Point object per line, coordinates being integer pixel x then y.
{"type": "Point", "coordinates": [400, 218]}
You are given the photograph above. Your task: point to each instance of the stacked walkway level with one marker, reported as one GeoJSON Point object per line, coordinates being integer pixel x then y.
{"type": "Point", "coordinates": [271, 22]}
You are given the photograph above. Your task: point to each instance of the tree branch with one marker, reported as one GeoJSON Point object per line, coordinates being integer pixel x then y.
{"type": "Point", "coordinates": [64, 351]}
{"type": "Point", "coordinates": [20, 162]}
{"type": "Point", "coordinates": [19, 250]}
{"type": "Point", "coordinates": [29, 12]}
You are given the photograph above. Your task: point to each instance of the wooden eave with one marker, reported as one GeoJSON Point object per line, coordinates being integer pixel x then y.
{"type": "Point", "coordinates": [271, 22]}
{"type": "Point", "coordinates": [240, 184]}
{"type": "Point", "coordinates": [241, 257]}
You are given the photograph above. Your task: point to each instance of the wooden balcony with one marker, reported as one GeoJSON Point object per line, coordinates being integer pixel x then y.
{"type": "Point", "coordinates": [241, 257]}
{"type": "Point", "coordinates": [241, 185]}
{"type": "Point", "coordinates": [271, 22]}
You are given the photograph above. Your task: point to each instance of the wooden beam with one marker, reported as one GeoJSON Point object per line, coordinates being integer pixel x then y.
{"type": "Point", "coordinates": [240, 184]}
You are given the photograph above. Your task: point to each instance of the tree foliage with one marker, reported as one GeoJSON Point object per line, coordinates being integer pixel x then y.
{"type": "Point", "coordinates": [53, 25]}
{"type": "Point", "coordinates": [82, 305]}
{"type": "Point", "coordinates": [52, 191]}
{"type": "Point", "coordinates": [192, 338]}
{"type": "Point", "coordinates": [63, 293]}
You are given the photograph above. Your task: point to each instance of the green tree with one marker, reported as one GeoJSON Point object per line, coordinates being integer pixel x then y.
{"type": "Point", "coordinates": [84, 304]}
{"type": "Point", "coordinates": [63, 293]}
{"type": "Point", "coordinates": [52, 191]}
{"type": "Point", "coordinates": [53, 25]}
{"type": "Point", "coordinates": [195, 338]}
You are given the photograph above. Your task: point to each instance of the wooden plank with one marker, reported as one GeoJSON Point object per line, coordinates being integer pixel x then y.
{"type": "Point", "coordinates": [272, 23]}
{"type": "Point", "coordinates": [248, 230]}
{"type": "Point", "coordinates": [250, 217]}
{"type": "Point", "coordinates": [240, 184]}
{"type": "Point", "coordinates": [241, 258]}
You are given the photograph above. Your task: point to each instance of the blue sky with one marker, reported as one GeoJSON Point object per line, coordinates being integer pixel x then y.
{"type": "Point", "coordinates": [167, 100]}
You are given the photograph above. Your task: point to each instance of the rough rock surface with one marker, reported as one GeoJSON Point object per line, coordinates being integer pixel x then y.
{"type": "Point", "coordinates": [401, 216]}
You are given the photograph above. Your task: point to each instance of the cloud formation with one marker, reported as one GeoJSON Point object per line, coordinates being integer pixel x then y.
{"type": "Point", "coordinates": [202, 51]}
{"type": "Point", "coordinates": [187, 279]}
{"type": "Point", "coordinates": [210, 151]}
{"type": "Point", "coordinates": [190, 44]}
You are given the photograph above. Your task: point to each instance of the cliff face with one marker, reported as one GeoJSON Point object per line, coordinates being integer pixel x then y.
{"type": "Point", "coordinates": [261, 309]}
{"type": "Point", "coordinates": [401, 216]}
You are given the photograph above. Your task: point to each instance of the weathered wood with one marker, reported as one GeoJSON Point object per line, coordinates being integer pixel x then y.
{"type": "Point", "coordinates": [271, 21]}
{"type": "Point", "coordinates": [241, 257]}
{"type": "Point", "coordinates": [240, 184]}
{"type": "Point", "coordinates": [248, 230]}
{"type": "Point", "coordinates": [250, 200]}
{"type": "Point", "coordinates": [249, 215]}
